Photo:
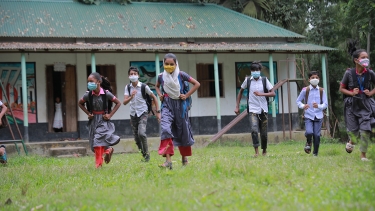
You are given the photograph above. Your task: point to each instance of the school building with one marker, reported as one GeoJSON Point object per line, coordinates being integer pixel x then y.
{"type": "Point", "coordinates": [48, 48]}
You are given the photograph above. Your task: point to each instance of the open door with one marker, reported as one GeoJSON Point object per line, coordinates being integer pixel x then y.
{"type": "Point", "coordinates": [64, 86]}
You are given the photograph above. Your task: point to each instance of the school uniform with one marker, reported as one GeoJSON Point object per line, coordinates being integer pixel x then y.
{"type": "Point", "coordinates": [359, 110]}
{"type": "Point", "coordinates": [100, 130]}
{"type": "Point", "coordinates": [313, 117]}
{"type": "Point", "coordinates": [138, 116]}
{"type": "Point", "coordinates": [175, 124]}
{"type": "Point", "coordinates": [258, 111]}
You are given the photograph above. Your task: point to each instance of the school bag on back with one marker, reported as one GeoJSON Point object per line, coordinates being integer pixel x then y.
{"type": "Point", "coordinates": [307, 98]}
{"type": "Point", "coordinates": [184, 88]}
{"type": "Point", "coordinates": [145, 96]}
{"type": "Point", "coordinates": [107, 107]}
{"type": "Point", "coordinates": [265, 90]}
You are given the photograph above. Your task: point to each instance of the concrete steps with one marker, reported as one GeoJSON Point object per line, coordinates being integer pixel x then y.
{"type": "Point", "coordinates": [64, 152]}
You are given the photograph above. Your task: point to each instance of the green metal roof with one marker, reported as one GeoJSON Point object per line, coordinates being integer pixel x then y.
{"type": "Point", "coordinates": [71, 19]}
{"type": "Point", "coordinates": [182, 46]}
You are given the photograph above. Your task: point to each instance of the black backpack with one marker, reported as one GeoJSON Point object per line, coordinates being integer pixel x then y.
{"type": "Point", "coordinates": [145, 96]}
{"type": "Point", "coordinates": [264, 81]}
{"type": "Point", "coordinates": [107, 107]}
{"type": "Point", "coordinates": [366, 80]}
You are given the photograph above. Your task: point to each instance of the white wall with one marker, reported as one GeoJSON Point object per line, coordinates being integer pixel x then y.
{"type": "Point", "coordinates": [201, 106]}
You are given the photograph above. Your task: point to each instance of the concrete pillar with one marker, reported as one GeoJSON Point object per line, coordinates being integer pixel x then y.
{"type": "Point", "coordinates": [217, 92]}
{"type": "Point", "coordinates": [24, 99]}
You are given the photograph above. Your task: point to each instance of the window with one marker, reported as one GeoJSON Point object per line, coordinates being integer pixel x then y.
{"type": "Point", "coordinates": [206, 77]}
{"type": "Point", "coordinates": [108, 71]}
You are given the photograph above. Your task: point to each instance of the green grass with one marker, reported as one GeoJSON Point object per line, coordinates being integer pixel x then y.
{"type": "Point", "coordinates": [220, 177]}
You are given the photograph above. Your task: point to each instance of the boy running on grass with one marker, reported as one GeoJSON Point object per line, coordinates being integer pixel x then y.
{"type": "Point", "coordinates": [259, 89]}
{"type": "Point", "coordinates": [315, 100]}
{"type": "Point", "coordinates": [139, 110]}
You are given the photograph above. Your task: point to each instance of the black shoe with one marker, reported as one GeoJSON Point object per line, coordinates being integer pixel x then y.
{"type": "Point", "coordinates": [146, 158]}
{"type": "Point", "coordinates": [307, 148]}
{"type": "Point", "coordinates": [315, 155]}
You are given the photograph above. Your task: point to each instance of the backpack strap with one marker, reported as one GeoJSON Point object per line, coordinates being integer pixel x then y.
{"type": "Point", "coordinates": [307, 94]}
{"type": "Point", "coordinates": [248, 92]}
{"type": "Point", "coordinates": [366, 79]}
{"type": "Point", "coordinates": [89, 107]}
{"type": "Point", "coordinates": [143, 90]}
{"type": "Point", "coordinates": [129, 89]}
{"type": "Point", "coordinates": [182, 84]}
{"type": "Point", "coordinates": [160, 80]}
{"type": "Point", "coordinates": [105, 102]}
{"type": "Point", "coordinates": [265, 90]}
{"type": "Point", "coordinates": [104, 99]}
{"type": "Point", "coordinates": [321, 94]}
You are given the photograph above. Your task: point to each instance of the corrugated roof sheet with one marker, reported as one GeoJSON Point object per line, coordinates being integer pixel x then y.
{"type": "Point", "coordinates": [136, 20]}
{"type": "Point", "coordinates": [182, 46]}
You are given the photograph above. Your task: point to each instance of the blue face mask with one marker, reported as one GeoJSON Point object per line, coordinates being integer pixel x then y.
{"type": "Point", "coordinates": [255, 74]}
{"type": "Point", "coordinates": [91, 86]}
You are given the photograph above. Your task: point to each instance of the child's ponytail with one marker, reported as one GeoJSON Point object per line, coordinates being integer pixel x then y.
{"type": "Point", "coordinates": [352, 49]}
{"type": "Point", "coordinates": [106, 85]}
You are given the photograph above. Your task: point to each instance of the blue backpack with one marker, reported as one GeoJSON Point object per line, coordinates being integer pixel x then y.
{"type": "Point", "coordinates": [184, 88]}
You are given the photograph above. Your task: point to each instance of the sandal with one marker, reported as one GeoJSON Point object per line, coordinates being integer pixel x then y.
{"type": "Point", "coordinates": [185, 161]}
{"type": "Point", "coordinates": [166, 164]}
{"type": "Point", "coordinates": [108, 155]}
{"type": "Point", "coordinates": [349, 147]}
{"type": "Point", "coordinates": [307, 148]}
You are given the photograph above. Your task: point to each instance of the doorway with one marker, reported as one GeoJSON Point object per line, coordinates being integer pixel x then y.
{"type": "Point", "coordinates": [64, 86]}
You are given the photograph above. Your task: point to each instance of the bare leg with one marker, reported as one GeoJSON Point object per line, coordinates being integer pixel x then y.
{"type": "Point", "coordinates": [264, 153]}
{"type": "Point", "coordinates": [256, 152]}
{"type": "Point", "coordinates": [168, 158]}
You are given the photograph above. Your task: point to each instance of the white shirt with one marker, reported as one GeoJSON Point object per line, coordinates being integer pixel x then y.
{"type": "Point", "coordinates": [257, 103]}
{"type": "Point", "coordinates": [138, 104]}
{"type": "Point", "coordinates": [314, 97]}
{"type": "Point", "coordinates": [1, 103]}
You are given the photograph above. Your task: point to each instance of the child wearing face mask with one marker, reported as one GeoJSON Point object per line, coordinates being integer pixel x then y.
{"type": "Point", "coordinates": [359, 104]}
{"type": "Point", "coordinates": [139, 110]}
{"type": "Point", "coordinates": [257, 106]}
{"type": "Point", "coordinates": [315, 101]}
{"type": "Point", "coordinates": [99, 111]}
{"type": "Point", "coordinates": [175, 124]}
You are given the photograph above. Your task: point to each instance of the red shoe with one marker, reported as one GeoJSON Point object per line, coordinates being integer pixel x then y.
{"type": "Point", "coordinates": [108, 155]}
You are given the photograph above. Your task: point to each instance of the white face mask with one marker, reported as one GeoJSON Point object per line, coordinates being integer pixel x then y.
{"type": "Point", "coordinates": [314, 81]}
{"type": "Point", "coordinates": [133, 78]}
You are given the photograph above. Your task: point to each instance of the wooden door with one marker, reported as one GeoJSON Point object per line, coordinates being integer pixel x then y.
{"type": "Point", "coordinates": [50, 98]}
{"type": "Point", "coordinates": [69, 95]}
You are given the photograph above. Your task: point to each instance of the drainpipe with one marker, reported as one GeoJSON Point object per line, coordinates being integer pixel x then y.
{"type": "Point", "coordinates": [217, 92]}
{"type": "Point", "coordinates": [24, 100]}
{"type": "Point", "coordinates": [93, 63]}
{"type": "Point", "coordinates": [325, 85]}
{"type": "Point", "coordinates": [157, 71]}
{"type": "Point", "coordinates": [272, 80]}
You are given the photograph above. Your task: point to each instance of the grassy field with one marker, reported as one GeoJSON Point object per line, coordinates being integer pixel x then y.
{"type": "Point", "coordinates": [220, 177]}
